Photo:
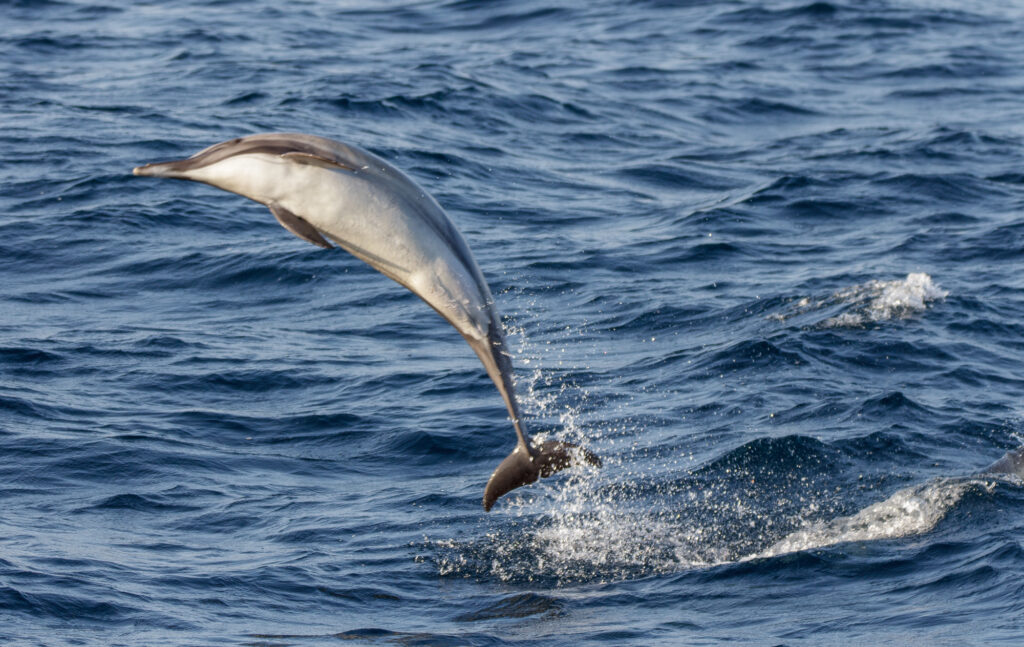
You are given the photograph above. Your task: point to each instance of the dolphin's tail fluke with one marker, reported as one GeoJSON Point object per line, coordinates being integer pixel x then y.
{"type": "Point", "coordinates": [519, 468]}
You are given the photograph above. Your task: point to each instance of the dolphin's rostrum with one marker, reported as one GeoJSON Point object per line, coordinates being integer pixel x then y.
{"type": "Point", "coordinates": [322, 190]}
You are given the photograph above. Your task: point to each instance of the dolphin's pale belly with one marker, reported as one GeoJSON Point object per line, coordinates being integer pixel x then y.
{"type": "Point", "coordinates": [371, 223]}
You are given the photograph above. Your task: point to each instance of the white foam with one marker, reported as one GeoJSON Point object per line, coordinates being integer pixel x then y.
{"type": "Point", "coordinates": [872, 302]}
{"type": "Point", "coordinates": [633, 518]}
{"type": "Point", "coordinates": [884, 300]}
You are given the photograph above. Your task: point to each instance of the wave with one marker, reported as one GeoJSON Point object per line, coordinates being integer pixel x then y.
{"type": "Point", "coordinates": [766, 498]}
{"type": "Point", "coordinates": [910, 511]}
{"type": "Point", "coordinates": [600, 540]}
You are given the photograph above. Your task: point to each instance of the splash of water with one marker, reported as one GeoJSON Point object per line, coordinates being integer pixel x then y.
{"type": "Point", "coordinates": [871, 302]}
{"type": "Point", "coordinates": [883, 300]}
{"type": "Point", "coordinates": [604, 537]}
{"type": "Point", "coordinates": [636, 517]}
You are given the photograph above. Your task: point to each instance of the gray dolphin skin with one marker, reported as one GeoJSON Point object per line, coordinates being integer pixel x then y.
{"type": "Point", "coordinates": [322, 190]}
{"type": "Point", "coordinates": [1012, 462]}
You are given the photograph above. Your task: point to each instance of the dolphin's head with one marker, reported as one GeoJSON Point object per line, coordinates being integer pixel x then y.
{"type": "Point", "coordinates": [254, 166]}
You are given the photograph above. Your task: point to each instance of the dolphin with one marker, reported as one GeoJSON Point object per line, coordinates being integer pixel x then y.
{"type": "Point", "coordinates": [322, 190]}
{"type": "Point", "coordinates": [1012, 462]}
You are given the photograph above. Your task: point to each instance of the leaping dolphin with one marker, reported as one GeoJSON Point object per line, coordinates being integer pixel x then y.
{"type": "Point", "coordinates": [321, 189]}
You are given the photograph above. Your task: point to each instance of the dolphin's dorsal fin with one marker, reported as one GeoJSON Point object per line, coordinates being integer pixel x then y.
{"type": "Point", "coordinates": [298, 226]}
{"type": "Point", "coordinates": [316, 160]}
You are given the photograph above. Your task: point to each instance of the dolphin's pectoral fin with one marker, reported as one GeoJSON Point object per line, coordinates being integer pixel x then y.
{"type": "Point", "coordinates": [316, 160]}
{"type": "Point", "coordinates": [518, 469]}
{"type": "Point", "coordinates": [298, 226]}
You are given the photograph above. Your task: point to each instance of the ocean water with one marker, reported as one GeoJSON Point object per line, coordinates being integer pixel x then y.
{"type": "Point", "coordinates": [763, 257]}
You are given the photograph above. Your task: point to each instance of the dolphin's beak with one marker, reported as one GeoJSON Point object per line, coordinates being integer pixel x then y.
{"type": "Point", "coordinates": [162, 169]}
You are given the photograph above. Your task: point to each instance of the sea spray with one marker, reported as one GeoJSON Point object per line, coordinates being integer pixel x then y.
{"type": "Point", "coordinates": [871, 302]}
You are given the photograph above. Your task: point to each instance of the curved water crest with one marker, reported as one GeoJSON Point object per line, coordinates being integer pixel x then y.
{"type": "Point", "coordinates": [727, 513]}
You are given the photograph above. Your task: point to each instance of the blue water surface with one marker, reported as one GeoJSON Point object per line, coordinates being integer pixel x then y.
{"type": "Point", "coordinates": [763, 257]}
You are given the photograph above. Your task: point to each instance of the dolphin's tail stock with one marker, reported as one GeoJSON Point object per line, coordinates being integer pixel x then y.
{"type": "Point", "coordinates": [520, 468]}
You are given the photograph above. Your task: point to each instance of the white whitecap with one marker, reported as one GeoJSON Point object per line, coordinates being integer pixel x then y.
{"type": "Point", "coordinates": [884, 300]}
{"type": "Point", "coordinates": [871, 302]}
